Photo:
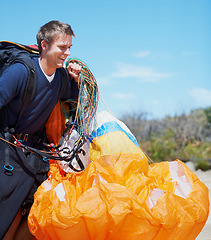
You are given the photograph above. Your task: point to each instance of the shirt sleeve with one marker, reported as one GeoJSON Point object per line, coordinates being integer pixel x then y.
{"type": "Point", "coordinates": [12, 83]}
{"type": "Point", "coordinates": [75, 90]}
{"type": "Point", "coordinates": [72, 91]}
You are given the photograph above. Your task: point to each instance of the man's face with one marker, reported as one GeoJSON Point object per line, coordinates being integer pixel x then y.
{"type": "Point", "coordinates": [56, 52]}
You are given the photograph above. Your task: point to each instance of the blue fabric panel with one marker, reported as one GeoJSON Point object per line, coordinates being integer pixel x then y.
{"type": "Point", "coordinates": [112, 127]}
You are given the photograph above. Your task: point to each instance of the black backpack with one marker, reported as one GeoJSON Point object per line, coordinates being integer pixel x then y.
{"type": "Point", "coordinates": [11, 53]}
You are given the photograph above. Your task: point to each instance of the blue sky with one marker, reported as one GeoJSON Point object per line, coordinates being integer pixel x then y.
{"type": "Point", "coordinates": [149, 56]}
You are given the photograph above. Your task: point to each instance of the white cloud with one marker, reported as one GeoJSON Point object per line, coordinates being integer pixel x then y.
{"type": "Point", "coordinates": [144, 74]}
{"type": "Point", "coordinates": [201, 96]}
{"type": "Point", "coordinates": [142, 54]}
{"type": "Point", "coordinates": [103, 81]}
{"type": "Point", "coordinates": [124, 96]}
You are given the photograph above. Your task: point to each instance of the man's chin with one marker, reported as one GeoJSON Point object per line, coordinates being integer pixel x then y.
{"type": "Point", "coordinates": [59, 65]}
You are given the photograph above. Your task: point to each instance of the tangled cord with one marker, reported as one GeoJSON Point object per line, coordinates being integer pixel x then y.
{"type": "Point", "coordinates": [87, 100]}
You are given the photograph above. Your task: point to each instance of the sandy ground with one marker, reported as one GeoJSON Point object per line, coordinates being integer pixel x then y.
{"type": "Point", "coordinates": [205, 177]}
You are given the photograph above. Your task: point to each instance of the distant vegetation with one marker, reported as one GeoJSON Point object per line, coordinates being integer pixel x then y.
{"type": "Point", "coordinates": [185, 137]}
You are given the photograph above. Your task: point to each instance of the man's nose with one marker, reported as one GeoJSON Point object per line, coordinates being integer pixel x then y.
{"type": "Point", "coordinates": [67, 52]}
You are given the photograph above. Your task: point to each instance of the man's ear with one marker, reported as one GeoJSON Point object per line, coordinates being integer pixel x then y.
{"type": "Point", "coordinates": [44, 45]}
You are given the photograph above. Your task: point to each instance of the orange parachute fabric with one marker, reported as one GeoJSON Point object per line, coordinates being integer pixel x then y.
{"type": "Point", "coordinates": [119, 196]}
{"type": "Point", "coordinates": [55, 125]}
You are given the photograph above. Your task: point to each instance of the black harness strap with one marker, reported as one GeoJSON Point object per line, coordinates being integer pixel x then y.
{"type": "Point", "coordinates": [8, 168]}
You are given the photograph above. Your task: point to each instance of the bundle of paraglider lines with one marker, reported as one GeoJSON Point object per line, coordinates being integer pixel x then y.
{"type": "Point", "coordinates": [87, 100]}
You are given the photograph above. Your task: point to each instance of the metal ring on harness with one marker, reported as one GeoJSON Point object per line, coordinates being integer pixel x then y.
{"type": "Point", "coordinates": [8, 167]}
{"type": "Point", "coordinates": [8, 170]}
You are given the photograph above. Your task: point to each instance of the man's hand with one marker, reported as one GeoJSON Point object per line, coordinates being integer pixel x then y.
{"type": "Point", "coordinates": [74, 70]}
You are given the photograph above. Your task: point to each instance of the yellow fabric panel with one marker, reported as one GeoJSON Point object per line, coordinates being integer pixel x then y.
{"type": "Point", "coordinates": [112, 143]}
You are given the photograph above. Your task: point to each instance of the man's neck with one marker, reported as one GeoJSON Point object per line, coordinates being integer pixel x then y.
{"type": "Point", "coordinates": [46, 69]}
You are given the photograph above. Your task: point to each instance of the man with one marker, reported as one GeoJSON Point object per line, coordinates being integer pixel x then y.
{"type": "Point", "coordinates": [54, 41]}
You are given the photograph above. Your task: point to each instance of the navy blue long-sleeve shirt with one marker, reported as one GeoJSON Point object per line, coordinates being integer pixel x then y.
{"type": "Point", "coordinates": [12, 85]}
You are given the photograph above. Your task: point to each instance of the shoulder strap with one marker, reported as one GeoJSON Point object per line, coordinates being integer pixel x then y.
{"type": "Point", "coordinates": [30, 89]}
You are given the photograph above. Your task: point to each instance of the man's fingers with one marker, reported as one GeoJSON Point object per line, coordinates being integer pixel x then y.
{"type": "Point", "coordinates": [74, 70]}
{"type": "Point", "coordinates": [75, 67]}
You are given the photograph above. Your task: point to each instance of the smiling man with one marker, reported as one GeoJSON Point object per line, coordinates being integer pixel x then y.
{"type": "Point", "coordinates": [54, 41]}
{"type": "Point", "coordinates": [55, 47]}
